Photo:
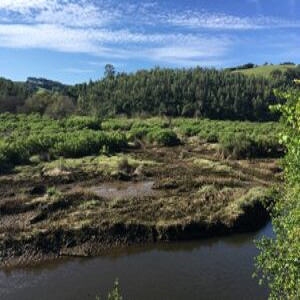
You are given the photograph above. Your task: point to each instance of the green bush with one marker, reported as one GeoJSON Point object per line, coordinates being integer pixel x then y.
{"type": "Point", "coordinates": [239, 146]}
{"type": "Point", "coordinates": [163, 137]}
{"type": "Point", "coordinates": [22, 136]}
{"type": "Point", "coordinates": [236, 146]}
{"type": "Point", "coordinates": [278, 263]}
{"type": "Point", "coordinates": [87, 142]}
{"type": "Point", "coordinates": [79, 122]}
{"type": "Point", "coordinates": [14, 153]}
{"type": "Point", "coordinates": [117, 124]}
{"type": "Point", "coordinates": [212, 138]}
{"type": "Point", "coordinates": [138, 133]}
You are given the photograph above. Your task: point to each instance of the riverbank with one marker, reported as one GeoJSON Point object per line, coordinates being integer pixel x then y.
{"type": "Point", "coordinates": [206, 269]}
{"type": "Point", "coordinates": [154, 194]}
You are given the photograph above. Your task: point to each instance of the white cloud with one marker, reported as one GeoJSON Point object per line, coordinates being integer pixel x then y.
{"type": "Point", "coordinates": [116, 30]}
{"type": "Point", "coordinates": [74, 15]}
{"type": "Point", "coordinates": [204, 47]}
{"type": "Point", "coordinates": [88, 13]}
{"type": "Point", "coordinates": [221, 21]}
{"type": "Point", "coordinates": [100, 41]}
{"type": "Point", "coordinates": [193, 19]}
{"type": "Point", "coordinates": [70, 13]}
{"type": "Point", "coordinates": [46, 37]}
{"type": "Point", "coordinates": [22, 6]}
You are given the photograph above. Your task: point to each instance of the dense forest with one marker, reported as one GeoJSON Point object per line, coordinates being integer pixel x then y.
{"type": "Point", "coordinates": [190, 93]}
{"type": "Point", "coordinates": [12, 95]}
{"type": "Point", "coordinates": [208, 93]}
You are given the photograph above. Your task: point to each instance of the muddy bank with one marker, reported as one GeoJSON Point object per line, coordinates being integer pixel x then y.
{"type": "Point", "coordinates": [154, 195]}
{"type": "Point", "coordinates": [88, 241]}
{"type": "Point", "coordinates": [147, 272]}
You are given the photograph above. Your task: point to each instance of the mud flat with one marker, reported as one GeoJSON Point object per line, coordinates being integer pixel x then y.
{"type": "Point", "coordinates": [88, 206]}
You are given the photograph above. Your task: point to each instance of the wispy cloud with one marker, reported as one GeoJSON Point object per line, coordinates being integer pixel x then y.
{"type": "Point", "coordinates": [223, 21]}
{"type": "Point", "coordinates": [115, 30]}
{"type": "Point", "coordinates": [24, 6]}
{"type": "Point", "coordinates": [46, 37]}
{"type": "Point", "coordinates": [205, 48]}
{"type": "Point", "coordinates": [80, 13]}
{"type": "Point", "coordinates": [210, 21]}
{"type": "Point", "coordinates": [97, 41]}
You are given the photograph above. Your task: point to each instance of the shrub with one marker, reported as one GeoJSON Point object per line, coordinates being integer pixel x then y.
{"type": "Point", "coordinates": [117, 124]}
{"type": "Point", "coordinates": [87, 142]}
{"type": "Point", "coordinates": [14, 153]}
{"type": "Point", "coordinates": [239, 146]}
{"type": "Point", "coordinates": [278, 263]}
{"type": "Point", "coordinates": [236, 146]}
{"type": "Point", "coordinates": [79, 122]}
{"type": "Point", "coordinates": [212, 138]}
{"type": "Point", "coordinates": [138, 133]}
{"type": "Point", "coordinates": [22, 136]}
{"type": "Point", "coordinates": [164, 137]}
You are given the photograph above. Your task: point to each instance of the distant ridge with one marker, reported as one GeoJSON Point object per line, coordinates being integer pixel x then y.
{"type": "Point", "coordinates": [263, 70]}
{"type": "Point", "coordinates": [45, 84]}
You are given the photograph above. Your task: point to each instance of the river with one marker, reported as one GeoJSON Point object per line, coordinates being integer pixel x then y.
{"type": "Point", "coordinates": [211, 269]}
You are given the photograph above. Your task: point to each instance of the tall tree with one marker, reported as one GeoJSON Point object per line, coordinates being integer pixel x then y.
{"type": "Point", "coordinates": [109, 71]}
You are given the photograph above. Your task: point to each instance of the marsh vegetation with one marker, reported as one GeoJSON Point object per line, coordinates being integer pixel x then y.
{"type": "Point", "coordinates": [79, 185]}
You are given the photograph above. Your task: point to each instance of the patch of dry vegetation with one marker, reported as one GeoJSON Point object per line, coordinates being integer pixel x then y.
{"type": "Point", "coordinates": [195, 194]}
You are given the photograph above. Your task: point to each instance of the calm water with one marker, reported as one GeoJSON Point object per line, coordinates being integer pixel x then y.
{"type": "Point", "coordinates": [124, 189]}
{"type": "Point", "coordinates": [214, 269]}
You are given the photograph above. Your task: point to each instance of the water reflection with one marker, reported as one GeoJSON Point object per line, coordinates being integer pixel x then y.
{"type": "Point", "coordinates": [124, 189]}
{"type": "Point", "coordinates": [211, 269]}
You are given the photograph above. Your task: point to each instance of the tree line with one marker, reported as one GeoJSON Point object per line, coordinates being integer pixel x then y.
{"type": "Point", "coordinates": [194, 92]}
{"type": "Point", "coordinates": [197, 92]}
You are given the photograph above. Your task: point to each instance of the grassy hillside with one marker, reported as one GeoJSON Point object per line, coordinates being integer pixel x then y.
{"type": "Point", "coordinates": [265, 70]}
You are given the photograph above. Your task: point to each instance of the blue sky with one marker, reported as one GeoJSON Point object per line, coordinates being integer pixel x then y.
{"type": "Point", "coordinates": [72, 40]}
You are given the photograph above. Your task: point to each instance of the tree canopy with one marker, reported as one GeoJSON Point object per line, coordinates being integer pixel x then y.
{"type": "Point", "coordinates": [195, 92]}
{"type": "Point", "coordinates": [183, 92]}
{"type": "Point", "coordinates": [279, 259]}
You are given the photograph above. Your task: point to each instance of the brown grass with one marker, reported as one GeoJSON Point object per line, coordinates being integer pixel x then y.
{"type": "Point", "coordinates": [195, 194]}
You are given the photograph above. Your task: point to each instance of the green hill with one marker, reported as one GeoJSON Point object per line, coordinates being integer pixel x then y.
{"type": "Point", "coordinates": [265, 70]}
{"type": "Point", "coordinates": [45, 84]}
